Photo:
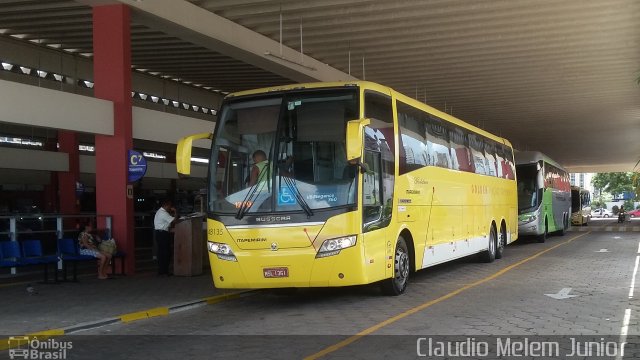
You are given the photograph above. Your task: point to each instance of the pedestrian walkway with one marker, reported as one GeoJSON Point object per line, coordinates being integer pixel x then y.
{"type": "Point", "coordinates": [32, 308]}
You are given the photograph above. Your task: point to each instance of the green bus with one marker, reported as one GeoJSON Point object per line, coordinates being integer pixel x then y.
{"type": "Point", "coordinates": [544, 195]}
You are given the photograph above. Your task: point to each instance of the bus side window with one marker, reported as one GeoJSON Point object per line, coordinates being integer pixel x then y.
{"type": "Point", "coordinates": [371, 189]}
{"type": "Point", "coordinates": [490, 156]}
{"type": "Point", "coordinates": [438, 143]}
{"type": "Point", "coordinates": [477, 151]}
{"type": "Point", "coordinates": [412, 150]}
{"type": "Point", "coordinates": [459, 150]}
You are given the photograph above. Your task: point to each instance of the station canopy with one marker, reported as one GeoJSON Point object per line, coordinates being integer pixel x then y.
{"type": "Point", "coordinates": [555, 76]}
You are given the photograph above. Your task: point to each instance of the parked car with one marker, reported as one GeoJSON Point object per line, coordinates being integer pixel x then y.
{"type": "Point", "coordinates": [604, 213]}
{"type": "Point", "coordinates": [634, 213]}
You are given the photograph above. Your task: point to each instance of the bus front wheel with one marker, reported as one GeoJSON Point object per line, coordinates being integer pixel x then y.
{"type": "Point", "coordinates": [542, 238]}
{"type": "Point", "coordinates": [401, 269]}
{"type": "Point", "coordinates": [490, 254]}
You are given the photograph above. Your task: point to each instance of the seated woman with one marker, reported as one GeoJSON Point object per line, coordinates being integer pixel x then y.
{"type": "Point", "coordinates": [89, 246]}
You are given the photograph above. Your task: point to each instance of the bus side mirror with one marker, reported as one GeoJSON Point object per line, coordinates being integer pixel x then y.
{"type": "Point", "coordinates": [183, 152]}
{"type": "Point", "coordinates": [355, 138]}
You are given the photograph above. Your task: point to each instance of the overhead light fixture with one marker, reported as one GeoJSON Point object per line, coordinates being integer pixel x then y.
{"type": "Point", "coordinates": [213, 112]}
{"type": "Point", "coordinates": [88, 84]}
{"type": "Point", "coordinates": [25, 70]}
{"type": "Point", "coordinates": [185, 106]}
{"type": "Point", "coordinates": [205, 110]}
{"type": "Point", "coordinates": [155, 99]}
{"type": "Point", "coordinates": [42, 74]}
{"type": "Point", "coordinates": [133, 94]}
{"type": "Point", "coordinates": [166, 101]}
{"type": "Point", "coordinates": [175, 103]}
{"type": "Point", "coordinates": [153, 155]}
{"type": "Point", "coordinates": [195, 107]}
{"type": "Point", "coordinates": [7, 66]}
{"type": "Point", "coordinates": [58, 77]}
{"type": "Point", "coordinates": [200, 160]}
{"type": "Point", "coordinates": [142, 96]}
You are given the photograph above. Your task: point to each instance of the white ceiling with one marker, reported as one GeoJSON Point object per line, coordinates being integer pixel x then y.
{"type": "Point", "coordinates": [555, 76]}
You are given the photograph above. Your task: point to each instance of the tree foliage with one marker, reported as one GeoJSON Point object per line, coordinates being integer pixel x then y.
{"type": "Point", "coordinates": [614, 183]}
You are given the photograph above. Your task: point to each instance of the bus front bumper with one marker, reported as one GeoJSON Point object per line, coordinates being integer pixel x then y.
{"type": "Point", "coordinates": [296, 267]}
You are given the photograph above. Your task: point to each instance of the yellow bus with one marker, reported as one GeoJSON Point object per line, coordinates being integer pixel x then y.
{"type": "Point", "coordinates": [580, 206]}
{"type": "Point", "coordinates": [337, 184]}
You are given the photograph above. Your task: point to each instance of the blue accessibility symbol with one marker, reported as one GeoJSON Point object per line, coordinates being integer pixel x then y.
{"type": "Point", "coordinates": [286, 197]}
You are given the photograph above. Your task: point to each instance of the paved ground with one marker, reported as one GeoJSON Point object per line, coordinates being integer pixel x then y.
{"type": "Point", "coordinates": [505, 299]}
{"type": "Point", "coordinates": [90, 300]}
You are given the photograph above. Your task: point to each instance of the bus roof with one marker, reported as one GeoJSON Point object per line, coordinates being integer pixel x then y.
{"type": "Point", "coordinates": [381, 88]}
{"type": "Point", "coordinates": [528, 157]}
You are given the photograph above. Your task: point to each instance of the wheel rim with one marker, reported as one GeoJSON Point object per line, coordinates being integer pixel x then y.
{"type": "Point", "coordinates": [501, 241]}
{"type": "Point", "coordinates": [401, 267]}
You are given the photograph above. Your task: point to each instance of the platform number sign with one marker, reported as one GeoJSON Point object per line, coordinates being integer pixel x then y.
{"type": "Point", "coordinates": [137, 166]}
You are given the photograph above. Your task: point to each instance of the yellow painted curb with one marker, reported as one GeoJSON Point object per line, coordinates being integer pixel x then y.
{"type": "Point", "coordinates": [145, 314]}
{"type": "Point", "coordinates": [221, 298]}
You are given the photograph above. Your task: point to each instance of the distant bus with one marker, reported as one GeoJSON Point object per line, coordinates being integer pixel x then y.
{"type": "Point", "coordinates": [544, 195]}
{"type": "Point", "coordinates": [580, 206]}
{"type": "Point", "coordinates": [338, 184]}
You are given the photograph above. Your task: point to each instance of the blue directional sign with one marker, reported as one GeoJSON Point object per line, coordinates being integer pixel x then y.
{"type": "Point", "coordinates": [137, 166]}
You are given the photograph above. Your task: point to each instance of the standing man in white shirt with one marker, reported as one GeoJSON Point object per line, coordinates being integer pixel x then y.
{"type": "Point", "coordinates": [165, 217]}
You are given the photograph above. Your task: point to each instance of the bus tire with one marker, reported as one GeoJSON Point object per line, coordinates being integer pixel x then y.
{"type": "Point", "coordinates": [397, 284]}
{"type": "Point", "coordinates": [565, 225]}
{"type": "Point", "coordinates": [490, 254]}
{"type": "Point", "coordinates": [502, 242]}
{"type": "Point", "coordinates": [542, 238]}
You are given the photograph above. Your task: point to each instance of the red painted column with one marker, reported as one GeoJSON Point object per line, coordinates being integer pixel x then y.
{"type": "Point", "coordinates": [68, 200]}
{"type": "Point", "coordinates": [112, 81]}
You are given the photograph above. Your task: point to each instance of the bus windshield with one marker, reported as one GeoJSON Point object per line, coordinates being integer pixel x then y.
{"type": "Point", "coordinates": [576, 204]}
{"type": "Point", "coordinates": [527, 187]}
{"type": "Point", "coordinates": [283, 152]}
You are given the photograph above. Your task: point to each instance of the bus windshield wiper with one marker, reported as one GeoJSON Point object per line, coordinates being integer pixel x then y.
{"type": "Point", "coordinates": [247, 202]}
{"type": "Point", "coordinates": [291, 184]}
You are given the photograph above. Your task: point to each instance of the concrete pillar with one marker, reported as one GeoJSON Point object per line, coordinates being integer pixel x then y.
{"type": "Point", "coordinates": [112, 78]}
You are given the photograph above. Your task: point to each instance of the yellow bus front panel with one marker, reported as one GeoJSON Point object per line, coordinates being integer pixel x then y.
{"type": "Point", "coordinates": [256, 264]}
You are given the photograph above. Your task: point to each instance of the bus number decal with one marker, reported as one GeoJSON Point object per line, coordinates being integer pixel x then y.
{"type": "Point", "coordinates": [215, 232]}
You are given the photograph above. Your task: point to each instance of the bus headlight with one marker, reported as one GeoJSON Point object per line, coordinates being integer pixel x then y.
{"type": "Point", "coordinates": [332, 247]}
{"type": "Point", "coordinates": [223, 251]}
{"type": "Point", "coordinates": [525, 219]}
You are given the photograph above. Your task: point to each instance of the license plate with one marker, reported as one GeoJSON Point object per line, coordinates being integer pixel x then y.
{"type": "Point", "coordinates": [276, 272]}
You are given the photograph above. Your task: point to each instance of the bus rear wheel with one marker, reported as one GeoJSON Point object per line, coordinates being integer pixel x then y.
{"type": "Point", "coordinates": [502, 241]}
{"type": "Point", "coordinates": [565, 225]}
{"type": "Point", "coordinates": [397, 284]}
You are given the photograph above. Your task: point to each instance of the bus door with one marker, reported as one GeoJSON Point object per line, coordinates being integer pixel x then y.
{"type": "Point", "coordinates": [377, 201]}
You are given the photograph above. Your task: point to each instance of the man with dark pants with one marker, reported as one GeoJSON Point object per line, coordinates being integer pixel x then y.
{"type": "Point", "coordinates": [164, 219]}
